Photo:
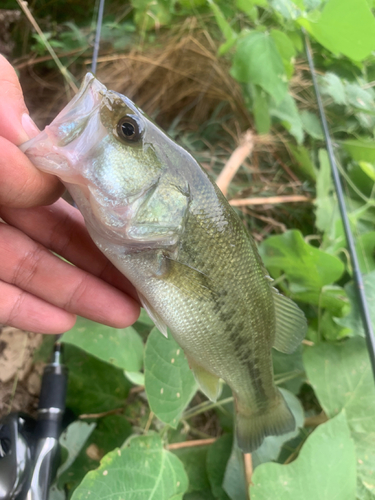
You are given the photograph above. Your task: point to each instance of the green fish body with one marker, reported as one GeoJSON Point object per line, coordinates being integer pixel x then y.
{"type": "Point", "coordinates": [156, 215]}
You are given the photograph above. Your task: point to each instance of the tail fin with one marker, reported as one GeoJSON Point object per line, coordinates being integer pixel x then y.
{"type": "Point", "coordinates": [253, 428]}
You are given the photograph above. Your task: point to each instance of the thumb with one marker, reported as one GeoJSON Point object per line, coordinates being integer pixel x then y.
{"type": "Point", "coordinates": [15, 123]}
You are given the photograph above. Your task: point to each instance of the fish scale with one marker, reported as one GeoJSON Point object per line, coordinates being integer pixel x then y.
{"type": "Point", "coordinates": [155, 214]}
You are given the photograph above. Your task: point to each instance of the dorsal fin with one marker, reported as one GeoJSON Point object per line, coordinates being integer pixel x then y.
{"type": "Point", "coordinates": [291, 325]}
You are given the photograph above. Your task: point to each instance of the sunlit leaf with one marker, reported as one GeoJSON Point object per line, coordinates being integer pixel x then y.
{"type": "Point", "coordinates": [169, 382]}
{"type": "Point", "coordinates": [327, 464]}
{"type": "Point", "coordinates": [258, 61]}
{"type": "Point", "coordinates": [142, 470]}
{"type": "Point", "coordinates": [288, 113]}
{"type": "Point", "coordinates": [344, 27]}
{"type": "Point", "coordinates": [120, 347]}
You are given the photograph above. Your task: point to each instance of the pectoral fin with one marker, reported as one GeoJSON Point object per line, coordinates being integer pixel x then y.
{"type": "Point", "coordinates": [291, 325]}
{"type": "Point", "coordinates": [159, 323]}
{"type": "Point", "coordinates": [209, 384]}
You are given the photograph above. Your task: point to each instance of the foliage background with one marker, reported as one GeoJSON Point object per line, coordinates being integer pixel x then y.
{"type": "Point", "coordinates": [207, 72]}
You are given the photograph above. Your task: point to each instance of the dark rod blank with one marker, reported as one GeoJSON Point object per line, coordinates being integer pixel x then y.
{"type": "Point", "coordinates": [97, 37]}
{"type": "Point", "coordinates": [363, 304]}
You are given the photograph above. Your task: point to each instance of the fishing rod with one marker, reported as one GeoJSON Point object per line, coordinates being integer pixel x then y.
{"type": "Point", "coordinates": [358, 280]}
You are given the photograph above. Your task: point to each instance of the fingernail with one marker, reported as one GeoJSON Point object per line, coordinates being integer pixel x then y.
{"type": "Point", "coordinates": [29, 126]}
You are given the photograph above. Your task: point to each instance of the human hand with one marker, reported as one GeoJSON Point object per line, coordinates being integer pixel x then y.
{"type": "Point", "coordinates": [38, 290]}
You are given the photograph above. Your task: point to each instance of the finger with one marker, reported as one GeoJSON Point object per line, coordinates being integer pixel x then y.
{"type": "Point", "coordinates": [21, 184]}
{"type": "Point", "coordinates": [61, 228]}
{"type": "Point", "coordinates": [17, 127]}
{"type": "Point", "coordinates": [29, 266]}
{"type": "Point", "coordinates": [27, 312]}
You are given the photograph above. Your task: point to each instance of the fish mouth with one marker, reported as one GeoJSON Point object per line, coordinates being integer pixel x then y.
{"type": "Point", "coordinates": [49, 150]}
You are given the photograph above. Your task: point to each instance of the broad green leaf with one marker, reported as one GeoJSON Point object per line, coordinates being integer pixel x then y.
{"type": "Point", "coordinates": [271, 446]}
{"type": "Point", "coordinates": [368, 168]}
{"type": "Point", "coordinates": [194, 462]}
{"type": "Point", "coordinates": [360, 98]}
{"type": "Point", "coordinates": [120, 347]}
{"type": "Point", "coordinates": [288, 369]}
{"type": "Point", "coordinates": [325, 468]}
{"type": "Point", "coordinates": [217, 457]}
{"type": "Point", "coordinates": [304, 163]}
{"type": "Point", "coordinates": [235, 478]}
{"type": "Point", "coordinates": [353, 320]}
{"type": "Point", "coordinates": [332, 85]}
{"type": "Point", "coordinates": [258, 61]}
{"type": "Point", "coordinates": [94, 386]}
{"type": "Point", "coordinates": [141, 470]}
{"type": "Point", "coordinates": [311, 124]}
{"type": "Point", "coordinates": [360, 149]}
{"type": "Point", "coordinates": [73, 440]}
{"type": "Point", "coordinates": [344, 27]}
{"type": "Point", "coordinates": [288, 113]}
{"type": "Point", "coordinates": [365, 246]}
{"type": "Point", "coordinates": [325, 202]}
{"type": "Point", "coordinates": [287, 8]}
{"type": "Point", "coordinates": [136, 378]}
{"type": "Point", "coordinates": [261, 110]}
{"type": "Point", "coordinates": [169, 382]}
{"type": "Point", "coordinates": [223, 24]}
{"type": "Point", "coordinates": [307, 268]}
{"type": "Point", "coordinates": [341, 377]}
{"type": "Point", "coordinates": [286, 50]}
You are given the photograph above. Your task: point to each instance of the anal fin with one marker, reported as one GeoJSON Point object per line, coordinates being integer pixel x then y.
{"type": "Point", "coordinates": [209, 384]}
{"type": "Point", "coordinates": [291, 325]}
{"type": "Point", "coordinates": [159, 323]}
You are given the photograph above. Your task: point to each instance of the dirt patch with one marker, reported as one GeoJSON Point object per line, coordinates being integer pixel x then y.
{"type": "Point", "coordinates": [20, 377]}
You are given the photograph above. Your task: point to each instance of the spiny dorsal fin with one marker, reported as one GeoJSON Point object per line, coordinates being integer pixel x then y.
{"type": "Point", "coordinates": [291, 325]}
{"type": "Point", "coordinates": [209, 384]}
{"type": "Point", "coordinates": [159, 323]}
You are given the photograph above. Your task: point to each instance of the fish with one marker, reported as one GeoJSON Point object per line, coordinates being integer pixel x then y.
{"type": "Point", "coordinates": [154, 212]}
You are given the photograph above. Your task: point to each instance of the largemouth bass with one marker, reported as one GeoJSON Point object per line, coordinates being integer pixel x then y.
{"type": "Point", "coordinates": [153, 211]}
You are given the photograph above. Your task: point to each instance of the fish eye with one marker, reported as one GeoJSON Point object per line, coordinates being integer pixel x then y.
{"type": "Point", "coordinates": [129, 129]}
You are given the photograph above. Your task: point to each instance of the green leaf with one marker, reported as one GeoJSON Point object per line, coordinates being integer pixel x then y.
{"type": "Point", "coordinates": [141, 470]}
{"type": "Point", "coordinates": [365, 246]}
{"type": "Point", "coordinates": [223, 24]}
{"type": "Point", "coordinates": [271, 446]}
{"type": "Point", "coordinates": [353, 320]}
{"type": "Point", "coordinates": [360, 150]}
{"type": "Point", "coordinates": [288, 369]}
{"type": "Point", "coordinates": [311, 124]}
{"type": "Point", "coordinates": [325, 468]}
{"type": "Point", "coordinates": [332, 85]}
{"type": "Point", "coordinates": [286, 50]}
{"type": "Point", "coordinates": [235, 478]}
{"type": "Point", "coordinates": [344, 27]}
{"type": "Point", "coordinates": [304, 163]}
{"type": "Point", "coordinates": [73, 440]}
{"type": "Point", "coordinates": [260, 109]}
{"type": "Point", "coordinates": [94, 386]}
{"type": "Point", "coordinates": [368, 168]}
{"type": "Point", "coordinates": [258, 61]}
{"type": "Point", "coordinates": [194, 461]}
{"type": "Point", "coordinates": [307, 268]}
{"type": "Point", "coordinates": [217, 457]}
{"type": "Point", "coordinates": [342, 378]}
{"type": "Point", "coordinates": [169, 382]}
{"type": "Point", "coordinates": [287, 8]}
{"type": "Point", "coordinates": [120, 347]}
{"type": "Point", "coordinates": [288, 113]}
{"type": "Point", "coordinates": [325, 202]}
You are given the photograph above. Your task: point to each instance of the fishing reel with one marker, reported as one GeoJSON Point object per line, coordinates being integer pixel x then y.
{"type": "Point", "coordinates": [29, 447]}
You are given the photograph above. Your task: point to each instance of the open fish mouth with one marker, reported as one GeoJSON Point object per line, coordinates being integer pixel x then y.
{"type": "Point", "coordinates": [45, 149]}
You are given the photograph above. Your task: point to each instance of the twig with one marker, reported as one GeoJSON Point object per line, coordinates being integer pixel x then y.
{"type": "Point", "coordinates": [65, 73]}
{"type": "Point", "coordinates": [248, 463]}
{"type": "Point", "coordinates": [235, 161]}
{"type": "Point", "coordinates": [191, 444]}
{"type": "Point", "coordinates": [315, 420]}
{"type": "Point", "coordinates": [149, 421]}
{"type": "Point", "coordinates": [270, 200]}
{"type": "Point", "coordinates": [86, 416]}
